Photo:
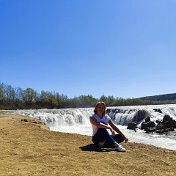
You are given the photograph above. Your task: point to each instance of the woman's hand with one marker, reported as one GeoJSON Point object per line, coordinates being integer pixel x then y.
{"type": "Point", "coordinates": [126, 139]}
{"type": "Point", "coordinates": [112, 131]}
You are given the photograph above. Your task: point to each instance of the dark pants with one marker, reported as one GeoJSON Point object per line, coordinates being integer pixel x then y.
{"type": "Point", "coordinates": [102, 135]}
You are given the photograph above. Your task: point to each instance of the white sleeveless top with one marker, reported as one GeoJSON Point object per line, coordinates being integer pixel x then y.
{"type": "Point", "coordinates": [104, 120]}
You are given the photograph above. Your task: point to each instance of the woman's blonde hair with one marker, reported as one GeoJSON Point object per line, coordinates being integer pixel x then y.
{"type": "Point", "coordinates": [100, 103]}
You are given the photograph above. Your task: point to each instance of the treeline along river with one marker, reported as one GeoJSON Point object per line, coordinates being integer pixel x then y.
{"type": "Point", "coordinates": [17, 98]}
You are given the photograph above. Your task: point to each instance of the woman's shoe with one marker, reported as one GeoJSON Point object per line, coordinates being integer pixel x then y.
{"type": "Point", "coordinates": [120, 149]}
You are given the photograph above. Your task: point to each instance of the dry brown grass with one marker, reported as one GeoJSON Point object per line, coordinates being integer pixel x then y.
{"type": "Point", "coordinates": [27, 149]}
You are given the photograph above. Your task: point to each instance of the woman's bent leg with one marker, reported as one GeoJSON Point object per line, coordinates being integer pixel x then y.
{"type": "Point", "coordinates": [102, 135]}
{"type": "Point", "coordinates": [118, 138]}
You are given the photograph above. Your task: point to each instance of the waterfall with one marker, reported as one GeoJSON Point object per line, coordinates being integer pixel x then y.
{"type": "Point", "coordinates": [76, 120]}
{"type": "Point", "coordinates": [56, 118]}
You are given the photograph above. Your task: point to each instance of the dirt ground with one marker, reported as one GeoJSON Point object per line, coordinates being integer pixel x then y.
{"type": "Point", "coordinates": [28, 148]}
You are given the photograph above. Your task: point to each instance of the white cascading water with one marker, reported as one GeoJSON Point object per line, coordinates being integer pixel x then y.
{"type": "Point", "coordinates": [76, 120]}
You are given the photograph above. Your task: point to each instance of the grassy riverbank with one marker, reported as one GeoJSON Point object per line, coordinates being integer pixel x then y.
{"type": "Point", "coordinates": [29, 148]}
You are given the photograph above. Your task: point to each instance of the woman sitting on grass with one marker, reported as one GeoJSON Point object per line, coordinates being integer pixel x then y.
{"type": "Point", "coordinates": [101, 123]}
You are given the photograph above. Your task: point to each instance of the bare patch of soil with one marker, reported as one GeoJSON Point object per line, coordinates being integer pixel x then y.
{"type": "Point", "coordinates": [28, 148]}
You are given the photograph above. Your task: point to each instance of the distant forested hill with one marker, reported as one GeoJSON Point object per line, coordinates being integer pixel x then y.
{"type": "Point", "coordinates": [164, 97]}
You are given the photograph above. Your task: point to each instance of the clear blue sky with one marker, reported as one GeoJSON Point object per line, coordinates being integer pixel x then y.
{"type": "Point", "coordinates": [120, 48]}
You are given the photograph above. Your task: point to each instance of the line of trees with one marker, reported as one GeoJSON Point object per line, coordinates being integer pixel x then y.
{"type": "Point", "coordinates": [17, 98]}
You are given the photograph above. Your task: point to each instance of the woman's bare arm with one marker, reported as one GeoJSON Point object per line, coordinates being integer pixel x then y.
{"type": "Point", "coordinates": [115, 128]}
{"type": "Point", "coordinates": [99, 125]}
